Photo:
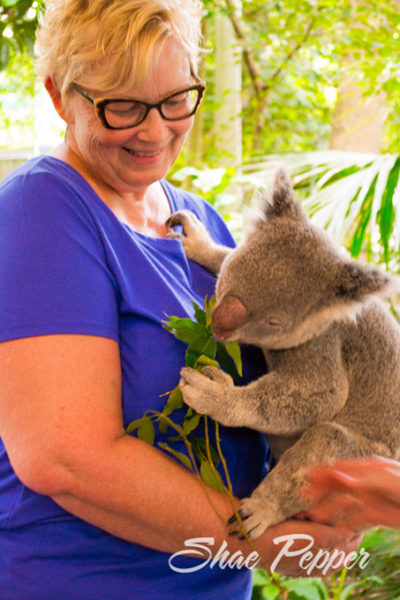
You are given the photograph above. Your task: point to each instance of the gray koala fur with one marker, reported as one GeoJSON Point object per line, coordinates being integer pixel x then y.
{"type": "Point", "coordinates": [332, 389]}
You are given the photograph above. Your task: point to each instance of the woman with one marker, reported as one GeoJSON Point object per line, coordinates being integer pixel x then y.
{"type": "Point", "coordinates": [88, 274]}
{"type": "Point", "coordinates": [358, 493]}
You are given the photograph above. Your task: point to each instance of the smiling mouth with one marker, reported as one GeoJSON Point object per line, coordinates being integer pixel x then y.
{"type": "Point", "coordinates": [142, 154]}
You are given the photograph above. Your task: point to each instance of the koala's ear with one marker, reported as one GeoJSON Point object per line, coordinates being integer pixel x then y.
{"type": "Point", "coordinates": [252, 221]}
{"type": "Point", "coordinates": [356, 281]}
{"type": "Point", "coordinates": [281, 201]}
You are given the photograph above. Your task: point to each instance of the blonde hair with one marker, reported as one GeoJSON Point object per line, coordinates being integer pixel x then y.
{"type": "Point", "coordinates": [103, 44]}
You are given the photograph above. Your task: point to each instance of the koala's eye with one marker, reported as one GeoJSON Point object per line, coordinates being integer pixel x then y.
{"type": "Point", "coordinates": [272, 322]}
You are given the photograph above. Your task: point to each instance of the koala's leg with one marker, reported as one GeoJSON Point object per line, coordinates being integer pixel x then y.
{"type": "Point", "coordinates": [196, 242]}
{"type": "Point", "coordinates": [276, 498]}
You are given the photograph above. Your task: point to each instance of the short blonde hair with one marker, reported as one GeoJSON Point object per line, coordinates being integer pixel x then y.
{"type": "Point", "coordinates": [103, 44]}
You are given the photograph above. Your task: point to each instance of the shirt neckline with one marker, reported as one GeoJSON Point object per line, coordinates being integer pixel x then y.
{"type": "Point", "coordinates": [164, 184]}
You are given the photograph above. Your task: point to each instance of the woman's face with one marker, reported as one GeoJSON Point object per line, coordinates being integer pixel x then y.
{"type": "Point", "coordinates": [130, 160]}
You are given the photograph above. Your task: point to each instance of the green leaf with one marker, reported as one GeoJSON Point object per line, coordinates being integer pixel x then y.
{"type": "Point", "coordinates": [208, 307]}
{"type": "Point", "coordinates": [9, 3]}
{"type": "Point", "coordinates": [191, 421]}
{"type": "Point", "coordinates": [133, 425]}
{"type": "Point", "coordinates": [204, 344]}
{"type": "Point", "coordinates": [190, 358]}
{"type": "Point", "coordinates": [145, 429]}
{"type": "Point", "coordinates": [179, 455]}
{"type": "Point", "coordinates": [206, 360]}
{"type": "Point", "coordinates": [306, 589]}
{"type": "Point", "coordinates": [185, 329]}
{"type": "Point", "coordinates": [211, 477]}
{"type": "Point", "coordinates": [174, 402]}
{"type": "Point", "coordinates": [199, 314]}
{"type": "Point", "coordinates": [270, 592]}
{"type": "Point", "coordinates": [233, 349]}
{"type": "Point", "coordinates": [359, 234]}
{"type": "Point", "coordinates": [386, 216]}
{"type": "Point", "coordinates": [225, 361]}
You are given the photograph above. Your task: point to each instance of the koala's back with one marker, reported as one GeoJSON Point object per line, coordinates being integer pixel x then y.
{"type": "Point", "coordinates": [371, 352]}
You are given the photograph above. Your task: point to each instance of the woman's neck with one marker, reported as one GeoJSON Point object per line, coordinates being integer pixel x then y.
{"type": "Point", "coordinates": [145, 211]}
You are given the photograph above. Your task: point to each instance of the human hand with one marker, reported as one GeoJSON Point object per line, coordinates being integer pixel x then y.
{"type": "Point", "coordinates": [358, 493]}
{"type": "Point", "coordinates": [304, 548]}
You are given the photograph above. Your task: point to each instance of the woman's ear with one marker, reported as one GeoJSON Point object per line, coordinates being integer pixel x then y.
{"type": "Point", "coordinates": [55, 96]}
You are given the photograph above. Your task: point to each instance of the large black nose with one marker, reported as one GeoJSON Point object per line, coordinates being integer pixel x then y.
{"type": "Point", "coordinates": [227, 316]}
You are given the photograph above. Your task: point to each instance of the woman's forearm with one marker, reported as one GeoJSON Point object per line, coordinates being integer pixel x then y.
{"type": "Point", "coordinates": [141, 495]}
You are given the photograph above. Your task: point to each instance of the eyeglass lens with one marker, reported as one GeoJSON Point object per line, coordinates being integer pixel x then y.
{"type": "Point", "coordinates": [126, 113]}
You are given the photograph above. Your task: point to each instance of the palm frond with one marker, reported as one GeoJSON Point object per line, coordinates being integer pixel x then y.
{"type": "Point", "coordinates": [354, 196]}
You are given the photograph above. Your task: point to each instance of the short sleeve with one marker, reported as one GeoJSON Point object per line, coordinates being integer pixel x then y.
{"type": "Point", "coordinates": [53, 269]}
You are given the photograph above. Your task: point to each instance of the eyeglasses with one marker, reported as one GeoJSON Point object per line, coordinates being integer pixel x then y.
{"type": "Point", "coordinates": [116, 113]}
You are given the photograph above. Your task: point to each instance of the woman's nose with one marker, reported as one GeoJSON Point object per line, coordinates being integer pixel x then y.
{"type": "Point", "coordinates": [153, 128]}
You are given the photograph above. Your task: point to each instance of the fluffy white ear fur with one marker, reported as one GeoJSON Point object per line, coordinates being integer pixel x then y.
{"type": "Point", "coordinates": [252, 220]}
{"type": "Point", "coordinates": [393, 286]}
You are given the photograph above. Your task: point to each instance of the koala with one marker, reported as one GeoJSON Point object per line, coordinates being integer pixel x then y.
{"type": "Point", "coordinates": [332, 386]}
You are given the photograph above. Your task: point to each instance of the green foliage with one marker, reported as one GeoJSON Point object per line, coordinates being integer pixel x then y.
{"type": "Point", "coordinates": [354, 196]}
{"type": "Point", "coordinates": [379, 579]}
{"type": "Point", "coordinates": [202, 350]}
{"type": "Point", "coordinates": [302, 51]}
{"type": "Point", "coordinates": [18, 22]}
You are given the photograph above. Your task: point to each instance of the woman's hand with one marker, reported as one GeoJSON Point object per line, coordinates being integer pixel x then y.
{"type": "Point", "coordinates": [304, 548]}
{"type": "Point", "coordinates": [357, 493]}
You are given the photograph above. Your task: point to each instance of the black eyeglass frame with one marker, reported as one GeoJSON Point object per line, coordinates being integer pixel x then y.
{"type": "Point", "coordinates": [101, 103]}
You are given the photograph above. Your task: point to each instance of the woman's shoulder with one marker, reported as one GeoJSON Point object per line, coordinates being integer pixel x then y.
{"type": "Point", "coordinates": [42, 173]}
{"type": "Point", "coordinates": [47, 199]}
{"type": "Point", "coordinates": [44, 187]}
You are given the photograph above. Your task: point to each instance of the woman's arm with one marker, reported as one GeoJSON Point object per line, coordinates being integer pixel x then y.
{"type": "Point", "coordinates": [61, 423]}
{"type": "Point", "coordinates": [356, 492]}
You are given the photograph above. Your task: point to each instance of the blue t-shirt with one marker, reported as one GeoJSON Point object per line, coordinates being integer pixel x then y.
{"type": "Point", "coordinates": [69, 266]}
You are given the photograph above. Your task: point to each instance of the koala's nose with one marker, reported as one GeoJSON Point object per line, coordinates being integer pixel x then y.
{"type": "Point", "coordinates": [227, 316]}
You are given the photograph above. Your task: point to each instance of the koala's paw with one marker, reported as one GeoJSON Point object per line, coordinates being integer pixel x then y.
{"type": "Point", "coordinates": [257, 515]}
{"type": "Point", "coordinates": [207, 392]}
{"type": "Point", "coordinates": [196, 239]}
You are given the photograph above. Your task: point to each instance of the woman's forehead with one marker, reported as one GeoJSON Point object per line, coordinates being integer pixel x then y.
{"type": "Point", "coordinates": [170, 70]}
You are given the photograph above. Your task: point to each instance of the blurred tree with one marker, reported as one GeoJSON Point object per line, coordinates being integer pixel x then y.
{"type": "Point", "coordinates": [18, 21]}
{"type": "Point", "coordinates": [228, 87]}
{"type": "Point", "coordinates": [294, 56]}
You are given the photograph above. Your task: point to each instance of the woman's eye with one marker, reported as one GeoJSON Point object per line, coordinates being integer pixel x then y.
{"type": "Point", "coordinates": [176, 100]}
{"type": "Point", "coordinates": [124, 108]}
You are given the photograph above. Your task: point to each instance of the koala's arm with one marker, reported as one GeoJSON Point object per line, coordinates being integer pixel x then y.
{"type": "Point", "coordinates": [196, 241]}
{"type": "Point", "coordinates": [285, 406]}
{"type": "Point", "coordinates": [286, 401]}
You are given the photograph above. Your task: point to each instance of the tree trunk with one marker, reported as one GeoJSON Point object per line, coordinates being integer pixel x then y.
{"type": "Point", "coordinates": [228, 88]}
{"type": "Point", "coordinates": [357, 121]}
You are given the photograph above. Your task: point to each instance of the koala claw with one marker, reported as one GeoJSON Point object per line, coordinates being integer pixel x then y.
{"type": "Point", "coordinates": [255, 515]}
{"type": "Point", "coordinates": [172, 235]}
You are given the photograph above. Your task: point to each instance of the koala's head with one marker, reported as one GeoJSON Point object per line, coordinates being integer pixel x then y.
{"type": "Point", "coordinates": [287, 282]}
